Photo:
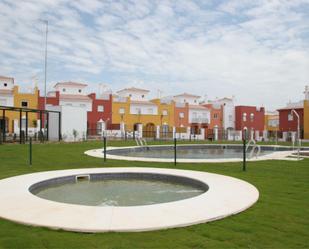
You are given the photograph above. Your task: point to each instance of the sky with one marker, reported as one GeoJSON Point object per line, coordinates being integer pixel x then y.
{"type": "Point", "coordinates": [257, 51]}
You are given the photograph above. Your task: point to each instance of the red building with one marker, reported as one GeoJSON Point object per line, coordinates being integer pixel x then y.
{"type": "Point", "coordinates": [288, 121]}
{"type": "Point", "coordinates": [250, 118]}
{"type": "Point", "coordinates": [52, 98]}
{"type": "Point", "coordinates": [101, 113]}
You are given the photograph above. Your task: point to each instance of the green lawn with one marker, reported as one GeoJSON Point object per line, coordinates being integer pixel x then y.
{"type": "Point", "coordinates": [280, 219]}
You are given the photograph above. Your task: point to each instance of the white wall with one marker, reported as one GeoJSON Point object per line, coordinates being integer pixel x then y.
{"type": "Point", "coordinates": [6, 100]}
{"type": "Point", "coordinates": [228, 112]}
{"type": "Point", "coordinates": [72, 118]}
{"type": "Point", "coordinates": [145, 109]}
{"type": "Point", "coordinates": [64, 89]}
{"type": "Point", "coordinates": [9, 82]}
{"type": "Point", "coordinates": [134, 95]}
{"type": "Point", "coordinates": [87, 106]}
{"type": "Point", "coordinates": [186, 99]}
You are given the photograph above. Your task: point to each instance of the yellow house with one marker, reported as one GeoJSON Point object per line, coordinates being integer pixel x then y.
{"type": "Point", "coordinates": [130, 108]}
{"type": "Point", "coordinates": [10, 96]}
{"type": "Point", "coordinates": [306, 119]}
{"type": "Point", "coordinates": [272, 121]}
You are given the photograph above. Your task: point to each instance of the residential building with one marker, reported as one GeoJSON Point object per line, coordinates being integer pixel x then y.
{"type": "Point", "coordinates": [271, 123]}
{"type": "Point", "coordinates": [228, 111]}
{"type": "Point", "coordinates": [100, 117]}
{"type": "Point", "coordinates": [6, 99]}
{"type": "Point", "coordinates": [198, 115]}
{"type": "Point", "coordinates": [133, 111]}
{"type": "Point", "coordinates": [72, 100]}
{"type": "Point", "coordinates": [251, 119]}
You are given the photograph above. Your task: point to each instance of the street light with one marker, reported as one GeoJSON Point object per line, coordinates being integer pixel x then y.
{"type": "Point", "coordinates": [45, 59]}
{"type": "Point", "coordinates": [298, 130]}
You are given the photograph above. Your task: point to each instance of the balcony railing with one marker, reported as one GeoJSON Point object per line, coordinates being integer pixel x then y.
{"type": "Point", "coordinates": [200, 120]}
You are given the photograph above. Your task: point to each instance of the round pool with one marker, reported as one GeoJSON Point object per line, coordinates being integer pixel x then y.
{"type": "Point", "coordinates": [129, 189]}
{"type": "Point", "coordinates": [96, 199]}
{"type": "Point", "coordinates": [194, 153]}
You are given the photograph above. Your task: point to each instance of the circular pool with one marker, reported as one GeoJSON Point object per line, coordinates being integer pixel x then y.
{"type": "Point", "coordinates": [118, 189]}
{"type": "Point", "coordinates": [212, 197]}
{"type": "Point", "coordinates": [194, 153]}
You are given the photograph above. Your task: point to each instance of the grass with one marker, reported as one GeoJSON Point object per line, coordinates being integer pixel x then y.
{"type": "Point", "coordinates": [280, 219]}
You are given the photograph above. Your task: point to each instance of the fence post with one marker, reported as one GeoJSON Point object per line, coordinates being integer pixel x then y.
{"type": "Point", "coordinates": [104, 144]}
{"type": "Point", "coordinates": [175, 151]}
{"type": "Point", "coordinates": [30, 151]}
{"type": "Point", "coordinates": [244, 152]}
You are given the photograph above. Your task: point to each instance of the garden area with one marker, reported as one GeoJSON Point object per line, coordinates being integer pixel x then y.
{"type": "Point", "coordinates": [280, 218]}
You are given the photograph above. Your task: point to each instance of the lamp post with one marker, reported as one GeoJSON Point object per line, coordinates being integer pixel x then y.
{"type": "Point", "coordinates": [298, 130]}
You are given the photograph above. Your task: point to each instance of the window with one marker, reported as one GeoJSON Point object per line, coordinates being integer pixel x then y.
{"type": "Point", "coordinates": [24, 104]}
{"type": "Point", "coordinates": [251, 117]}
{"type": "Point", "coordinates": [82, 105]}
{"type": "Point", "coordinates": [143, 96]}
{"type": "Point", "coordinates": [215, 115]}
{"type": "Point", "coordinates": [290, 117]}
{"type": "Point", "coordinates": [244, 117]}
{"type": "Point", "coordinates": [230, 118]}
{"type": "Point", "coordinates": [100, 108]}
{"type": "Point", "coordinates": [121, 110]}
{"type": "Point", "coordinates": [194, 115]}
{"type": "Point", "coordinates": [5, 84]}
{"type": "Point", "coordinates": [79, 90]}
{"type": "Point", "coordinates": [130, 95]}
{"type": "Point", "coordinates": [164, 112]}
{"type": "Point", "coordinates": [68, 104]}
{"type": "Point", "coordinates": [63, 89]}
{"type": "Point", "coordinates": [138, 110]}
{"type": "Point", "coordinates": [150, 111]}
{"type": "Point", "coordinates": [181, 115]}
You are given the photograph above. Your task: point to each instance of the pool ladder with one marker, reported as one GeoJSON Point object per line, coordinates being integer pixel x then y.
{"type": "Point", "coordinates": [256, 149]}
{"type": "Point", "coordinates": [141, 142]}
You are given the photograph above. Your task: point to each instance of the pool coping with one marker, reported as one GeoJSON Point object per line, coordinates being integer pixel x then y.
{"type": "Point", "coordinates": [277, 155]}
{"type": "Point", "coordinates": [226, 196]}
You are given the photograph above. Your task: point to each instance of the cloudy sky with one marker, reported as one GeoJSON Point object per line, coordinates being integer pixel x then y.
{"type": "Point", "coordinates": [256, 50]}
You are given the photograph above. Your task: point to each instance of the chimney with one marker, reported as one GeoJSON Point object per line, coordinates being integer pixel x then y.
{"type": "Point", "coordinates": [306, 92]}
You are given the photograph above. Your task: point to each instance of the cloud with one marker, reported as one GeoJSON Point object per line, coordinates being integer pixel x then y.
{"type": "Point", "coordinates": [250, 49]}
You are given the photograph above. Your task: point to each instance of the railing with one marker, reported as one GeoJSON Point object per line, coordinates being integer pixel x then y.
{"type": "Point", "coordinates": [200, 120]}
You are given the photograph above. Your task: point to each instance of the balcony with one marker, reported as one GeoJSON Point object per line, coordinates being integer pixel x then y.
{"type": "Point", "coordinates": [200, 120]}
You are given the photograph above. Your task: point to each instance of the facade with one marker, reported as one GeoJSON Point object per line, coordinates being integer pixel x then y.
{"type": "Point", "coordinates": [133, 111]}
{"type": "Point", "coordinates": [228, 112]}
{"type": "Point", "coordinates": [250, 118]}
{"type": "Point", "coordinates": [6, 99]}
{"type": "Point", "coordinates": [198, 115]}
{"type": "Point", "coordinates": [71, 99]}
{"type": "Point", "coordinates": [271, 121]}
{"type": "Point", "coordinates": [100, 117]}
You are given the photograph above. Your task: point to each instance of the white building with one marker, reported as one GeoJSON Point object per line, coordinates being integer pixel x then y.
{"type": "Point", "coordinates": [139, 103]}
{"type": "Point", "coordinates": [228, 111]}
{"type": "Point", "coordinates": [6, 91]}
{"type": "Point", "coordinates": [74, 104]}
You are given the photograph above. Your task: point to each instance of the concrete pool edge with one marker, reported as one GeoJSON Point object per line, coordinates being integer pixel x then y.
{"type": "Point", "coordinates": [227, 196]}
{"type": "Point", "coordinates": [277, 155]}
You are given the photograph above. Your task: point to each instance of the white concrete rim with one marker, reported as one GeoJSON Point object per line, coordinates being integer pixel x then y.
{"type": "Point", "coordinates": [276, 155]}
{"type": "Point", "coordinates": [226, 196]}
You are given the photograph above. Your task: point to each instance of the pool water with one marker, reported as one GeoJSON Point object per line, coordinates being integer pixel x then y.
{"type": "Point", "coordinates": [119, 192]}
{"type": "Point", "coordinates": [200, 152]}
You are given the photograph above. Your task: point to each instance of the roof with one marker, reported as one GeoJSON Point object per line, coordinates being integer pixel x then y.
{"type": "Point", "coordinates": [71, 83]}
{"type": "Point", "coordinates": [142, 102]}
{"type": "Point", "coordinates": [187, 95]}
{"type": "Point", "coordinates": [198, 107]}
{"type": "Point", "coordinates": [133, 89]}
{"type": "Point", "coordinates": [291, 108]}
{"type": "Point", "coordinates": [6, 91]}
{"type": "Point", "coordinates": [6, 78]}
